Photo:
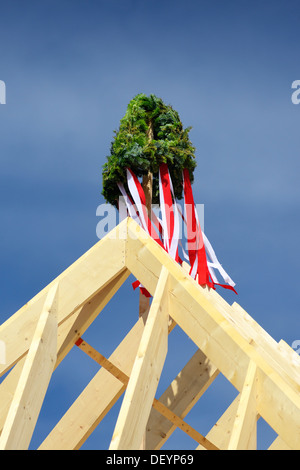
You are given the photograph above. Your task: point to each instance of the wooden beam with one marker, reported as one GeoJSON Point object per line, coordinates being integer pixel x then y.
{"type": "Point", "coordinates": [144, 304]}
{"type": "Point", "coordinates": [231, 353]}
{"type": "Point", "coordinates": [220, 433]}
{"type": "Point", "coordinates": [231, 343]}
{"type": "Point", "coordinates": [77, 285]}
{"type": "Point", "coordinates": [102, 361]}
{"type": "Point", "coordinates": [290, 354]}
{"type": "Point", "coordinates": [280, 355]}
{"type": "Point", "coordinates": [7, 390]}
{"type": "Point", "coordinates": [180, 397]}
{"type": "Point", "coordinates": [286, 362]}
{"type": "Point", "coordinates": [279, 444]}
{"type": "Point", "coordinates": [208, 323]}
{"type": "Point", "coordinates": [74, 326]}
{"type": "Point", "coordinates": [145, 374]}
{"type": "Point", "coordinates": [157, 405]}
{"type": "Point", "coordinates": [34, 379]}
{"type": "Point", "coordinates": [244, 432]}
{"type": "Point", "coordinates": [97, 398]}
{"type": "Point", "coordinates": [180, 423]}
{"type": "Point", "coordinates": [68, 332]}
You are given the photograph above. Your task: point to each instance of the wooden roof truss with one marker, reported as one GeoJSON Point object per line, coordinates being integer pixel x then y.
{"type": "Point", "coordinates": [39, 336]}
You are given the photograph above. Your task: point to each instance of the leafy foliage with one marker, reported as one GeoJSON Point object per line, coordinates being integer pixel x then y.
{"type": "Point", "coordinates": [132, 147]}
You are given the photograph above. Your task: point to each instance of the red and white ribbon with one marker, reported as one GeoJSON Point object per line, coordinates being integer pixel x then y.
{"type": "Point", "coordinates": [129, 205]}
{"type": "Point", "coordinates": [215, 264]}
{"type": "Point", "coordinates": [198, 245]}
{"type": "Point", "coordinates": [139, 198]}
{"type": "Point", "coordinates": [138, 211]}
{"type": "Point", "coordinates": [167, 230]}
{"type": "Point", "coordinates": [196, 248]}
{"type": "Point", "coordinates": [170, 217]}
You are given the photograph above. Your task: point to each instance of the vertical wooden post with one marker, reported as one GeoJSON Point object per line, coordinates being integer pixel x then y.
{"type": "Point", "coordinates": [244, 435]}
{"type": "Point", "coordinates": [34, 380]}
{"type": "Point", "coordinates": [145, 374]}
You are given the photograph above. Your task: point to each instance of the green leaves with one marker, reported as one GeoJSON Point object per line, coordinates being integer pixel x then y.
{"type": "Point", "coordinates": [132, 147]}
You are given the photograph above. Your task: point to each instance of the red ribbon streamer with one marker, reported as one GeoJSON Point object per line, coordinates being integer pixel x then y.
{"type": "Point", "coordinates": [196, 248]}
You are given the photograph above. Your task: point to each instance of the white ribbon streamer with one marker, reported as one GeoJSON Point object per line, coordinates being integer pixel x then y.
{"type": "Point", "coordinates": [138, 213]}
{"type": "Point", "coordinates": [131, 210]}
{"type": "Point", "coordinates": [136, 197]}
{"type": "Point", "coordinates": [172, 246]}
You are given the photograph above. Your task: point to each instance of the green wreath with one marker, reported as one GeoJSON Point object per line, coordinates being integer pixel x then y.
{"type": "Point", "coordinates": [150, 133]}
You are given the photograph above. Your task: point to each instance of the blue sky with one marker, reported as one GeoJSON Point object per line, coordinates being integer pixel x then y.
{"type": "Point", "coordinates": [70, 70]}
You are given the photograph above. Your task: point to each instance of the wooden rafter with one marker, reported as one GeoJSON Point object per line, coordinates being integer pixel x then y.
{"type": "Point", "coordinates": [266, 373]}
{"type": "Point", "coordinates": [279, 444]}
{"type": "Point", "coordinates": [220, 433]}
{"type": "Point", "coordinates": [77, 285]}
{"type": "Point", "coordinates": [181, 424]}
{"type": "Point", "coordinates": [180, 397]}
{"type": "Point", "coordinates": [68, 332]}
{"type": "Point", "coordinates": [208, 322]}
{"type": "Point", "coordinates": [34, 379]}
{"type": "Point", "coordinates": [97, 398]}
{"type": "Point", "coordinates": [157, 405]}
{"type": "Point", "coordinates": [146, 371]}
{"type": "Point", "coordinates": [244, 434]}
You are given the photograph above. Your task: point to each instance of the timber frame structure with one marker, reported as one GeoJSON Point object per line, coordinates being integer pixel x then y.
{"type": "Point", "coordinates": [39, 336]}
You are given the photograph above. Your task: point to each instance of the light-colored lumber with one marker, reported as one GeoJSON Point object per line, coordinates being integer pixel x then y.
{"type": "Point", "coordinates": [34, 379]}
{"type": "Point", "coordinates": [275, 353]}
{"type": "Point", "coordinates": [280, 355]}
{"type": "Point", "coordinates": [228, 337]}
{"type": "Point", "coordinates": [97, 398]}
{"type": "Point", "coordinates": [289, 353]}
{"type": "Point", "coordinates": [180, 397]}
{"type": "Point", "coordinates": [145, 374]}
{"type": "Point", "coordinates": [144, 304]}
{"type": "Point", "coordinates": [7, 390]}
{"type": "Point", "coordinates": [180, 423]}
{"type": "Point", "coordinates": [77, 285]}
{"type": "Point", "coordinates": [220, 433]}
{"type": "Point", "coordinates": [244, 431]}
{"type": "Point", "coordinates": [102, 361]}
{"type": "Point", "coordinates": [279, 444]}
{"type": "Point", "coordinates": [231, 353]}
{"type": "Point", "coordinates": [157, 405]}
{"type": "Point", "coordinates": [68, 332]}
{"type": "Point", "coordinates": [75, 325]}
{"type": "Point", "coordinates": [205, 322]}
